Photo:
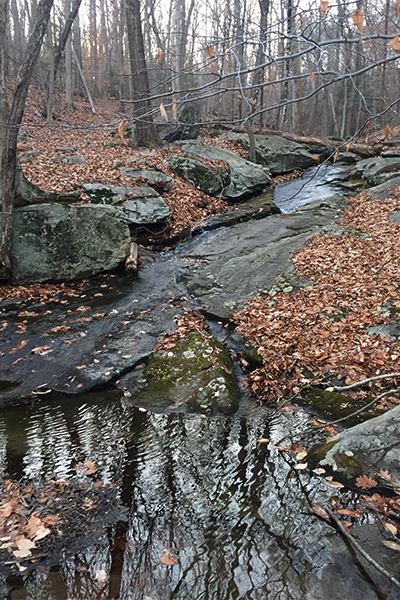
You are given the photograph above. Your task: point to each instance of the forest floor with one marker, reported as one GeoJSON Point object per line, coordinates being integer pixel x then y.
{"type": "Point", "coordinates": [320, 330]}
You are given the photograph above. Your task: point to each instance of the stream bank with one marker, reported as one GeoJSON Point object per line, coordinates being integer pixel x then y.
{"type": "Point", "coordinates": [214, 506]}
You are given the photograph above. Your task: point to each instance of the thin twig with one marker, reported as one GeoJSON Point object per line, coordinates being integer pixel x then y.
{"type": "Point", "coordinates": [384, 264]}
{"type": "Point", "coordinates": [354, 385]}
{"type": "Point", "coordinates": [361, 550]}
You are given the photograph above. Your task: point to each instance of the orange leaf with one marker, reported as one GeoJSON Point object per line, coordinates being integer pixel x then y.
{"type": "Point", "coordinates": [358, 18]}
{"type": "Point", "coordinates": [387, 132]}
{"type": "Point", "coordinates": [312, 77]}
{"type": "Point", "coordinates": [396, 8]}
{"type": "Point", "coordinates": [168, 560]}
{"type": "Point", "coordinates": [175, 111]}
{"type": "Point", "coordinates": [323, 7]}
{"type": "Point", "coordinates": [365, 482]}
{"type": "Point", "coordinates": [368, 125]}
{"type": "Point", "coordinates": [161, 55]}
{"type": "Point", "coordinates": [97, 484]}
{"type": "Point", "coordinates": [350, 513]}
{"type": "Point", "coordinates": [336, 155]}
{"type": "Point", "coordinates": [395, 44]}
{"type": "Point", "coordinates": [317, 510]}
{"type": "Point", "coordinates": [209, 51]}
{"type": "Point", "coordinates": [19, 346]}
{"type": "Point", "coordinates": [121, 129]}
{"type": "Point", "coordinates": [302, 19]}
{"type": "Point", "coordinates": [163, 111]}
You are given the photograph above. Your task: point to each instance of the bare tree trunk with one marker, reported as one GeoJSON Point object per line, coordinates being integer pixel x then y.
{"type": "Point", "coordinates": [146, 134]}
{"type": "Point", "coordinates": [10, 120]}
{"type": "Point", "coordinates": [68, 63]}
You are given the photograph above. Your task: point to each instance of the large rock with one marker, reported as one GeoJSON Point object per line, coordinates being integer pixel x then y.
{"type": "Point", "coordinates": [278, 154]}
{"type": "Point", "coordinates": [56, 242]}
{"type": "Point", "coordinates": [371, 448]}
{"type": "Point", "coordinates": [245, 177]}
{"type": "Point", "coordinates": [376, 170]}
{"type": "Point", "coordinates": [197, 173]}
{"type": "Point", "coordinates": [192, 376]}
{"type": "Point", "coordinates": [157, 179]}
{"type": "Point", "coordinates": [141, 205]}
{"type": "Point", "coordinates": [186, 127]}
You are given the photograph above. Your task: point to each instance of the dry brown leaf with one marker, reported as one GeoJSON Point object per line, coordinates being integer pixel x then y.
{"type": "Point", "coordinates": [312, 77]}
{"type": "Point", "coordinates": [323, 7]}
{"type": "Point", "coordinates": [387, 132]}
{"type": "Point", "coordinates": [121, 129]}
{"type": "Point", "coordinates": [168, 560]}
{"type": "Point", "coordinates": [301, 466]}
{"type": "Point", "coordinates": [392, 545]}
{"type": "Point", "coordinates": [210, 52]}
{"type": "Point", "coordinates": [161, 56]}
{"type": "Point", "coordinates": [385, 475]}
{"type": "Point", "coordinates": [263, 440]}
{"type": "Point", "coordinates": [317, 510]}
{"type": "Point", "coordinates": [395, 44]}
{"type": "Point", "coordinates": [365, 482]}
{"type": "Point", "coordinates": [368, 125]}
{"type": "Point", "coordinates": [350, 513]}
{"type": "Point", "coordinates": [302, 19]}
{"type": "Point", "coordinates": [391, 528]}
{"type": "Point", "coordinates": [163, 111]}
{"type": "Point", "coordinates": [396, 8]}
{"type": "Point", "coordinates": [358, 18]}
{"type": "Point", "coordinates": [175, 111]}
{"type": "Point", "coordinates": [333, 484]}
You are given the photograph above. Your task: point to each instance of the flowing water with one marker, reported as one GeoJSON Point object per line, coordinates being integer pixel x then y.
{"type": "Point", "coordinates": [201, 508]}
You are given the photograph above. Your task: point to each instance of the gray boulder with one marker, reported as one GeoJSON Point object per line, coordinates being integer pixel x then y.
{"type": "Point", "coordinates": [56, 242]}
{"type": "Point", "coordinates": [68, 159]}
{"type": "Point", "coordinates": [186, 127]}
{"type": "Point", "coordinates": [376, 170]}
{"type": "Point", "coordinates": [245, 177]}
{"type": "Point", "coordinates": [196, 173]}
{"type": "Point", "coordinates": [371, 448]}
{"type": "Point", "coordinates": [157, 179]}
{"type": "Point", "coordinates": [141, 205]}
{"type": "Point", "coordinates": [278, 154]}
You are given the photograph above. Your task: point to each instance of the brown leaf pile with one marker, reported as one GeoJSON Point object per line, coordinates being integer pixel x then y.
{"type": "Point", "coordinates": [321, 329]}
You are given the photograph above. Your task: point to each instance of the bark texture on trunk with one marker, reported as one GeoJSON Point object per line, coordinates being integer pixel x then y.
{"type": "Point", "coordinates": [146, 134]}
{"type": "Point", "coordinates": [10, 120]}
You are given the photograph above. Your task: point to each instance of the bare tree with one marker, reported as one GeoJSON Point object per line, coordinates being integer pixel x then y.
{"type": "Point", "coordinates": [10, 120]}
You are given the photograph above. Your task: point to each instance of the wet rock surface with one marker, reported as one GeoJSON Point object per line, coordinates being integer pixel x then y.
{"type": "Point", "coordinates": [371, 448]}
{"type": "Point", "coordinates": [192, 375]}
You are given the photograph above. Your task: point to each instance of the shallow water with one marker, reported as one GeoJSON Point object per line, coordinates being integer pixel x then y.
{"type": "Point", "coordinates": [317, 183]}
{"type": "Point", "coordinates": [230, 510]}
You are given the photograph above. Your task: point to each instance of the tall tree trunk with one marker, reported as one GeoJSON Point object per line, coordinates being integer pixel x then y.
{"type": "Point", "coordinates": [10, 120]}
{"type": "Point", "coordinates": [146, 134]}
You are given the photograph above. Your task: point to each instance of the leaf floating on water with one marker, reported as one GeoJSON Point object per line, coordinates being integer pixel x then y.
{"type": "Point", "coordinates": [168, 560]}
{"type": "Point", "coordinates": [301, 455]}
{"type": "Point", "coordinates": [350, 513]}
{"type": "Point", "coordinates": [384, 475]}
{"type": "Point", "coordinates": [317, 510]}
{"type": "Point", "coordinates": [392, 545]}
{"type": "Point", "coordinates": [90, 466]}
{"type": "Point", "coordinates": [365, 482]}
{"type": "Point", "coordinates": [263, 441]}
{"type": "Point", "coordinates": [334, 484]}
{"type": "Point", "coordinates": [301, 466]}
{"type": "Point", "coordinates": [319, 471]}
{"type": "Point", "coordinates": [391, 528]}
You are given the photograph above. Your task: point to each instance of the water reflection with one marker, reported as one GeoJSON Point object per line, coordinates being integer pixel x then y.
{"type": "Point", "coordinates": [229, 510]}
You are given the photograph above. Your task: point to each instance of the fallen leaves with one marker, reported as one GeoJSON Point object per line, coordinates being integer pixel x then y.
{"type": "Point", "coordinates": [365, 482]}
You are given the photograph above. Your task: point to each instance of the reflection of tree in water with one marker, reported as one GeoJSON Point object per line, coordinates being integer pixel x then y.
{"type": "Point", "coordinates": [203, 490]}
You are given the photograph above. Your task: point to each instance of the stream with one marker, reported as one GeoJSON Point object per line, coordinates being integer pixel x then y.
{"type": "Point", "coordinates": [199, 508]}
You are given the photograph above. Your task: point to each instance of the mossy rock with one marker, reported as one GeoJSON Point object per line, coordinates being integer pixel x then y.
{"type": "Point", "coordinates": [193, 376]}
{"type": "Point", "coordinates": [334, 405]}
{"type": "Point", "coordinates": [196, 173]}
